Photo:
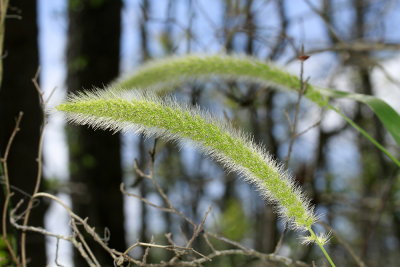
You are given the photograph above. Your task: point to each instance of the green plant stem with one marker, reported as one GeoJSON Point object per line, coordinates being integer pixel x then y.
{"type": "Point", "coordinates": [321, 247]}
{"type": "Point", "coordinates": [363, 132]}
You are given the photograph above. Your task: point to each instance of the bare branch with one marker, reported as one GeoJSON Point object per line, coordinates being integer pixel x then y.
{"type": "Point", "coordinates": [8, 194]}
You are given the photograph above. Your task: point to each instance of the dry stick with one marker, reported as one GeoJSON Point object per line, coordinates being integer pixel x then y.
{"type": "Point", "coordinates": [146, 251]}
{"type": "Point", "coordinates": [178, 250]}
{"type": "Point", "coordinates": [167, 247]}
{"type": "Point", "coordinates": [205, 236]}
{"type": "Point", "coordinates": [72, 240]}
{"type": "Point", "coordinates": [197, 228]}
{"type": "Point", "coordinates": [169, 238]}
{"type": "Point", "coordinates": [57, 248]}
{"type": "Point", "coordinates": [302, 90]}
{"type": "Point", "coordinates": [196, 233]}
{"type": "Point", "coordinates": [158, 188]}
{"type": "Point", "coordinates": [8, 193]}
{"type": "Point", "coordinates": [39, 163]}
{"type": "Point", "coordinates": [309, 128]}
{"type": "Point", "coordinates": [160, 191]}
{"type": "Point", "coordinates": [113, 253]}
{"type": "Point", "coordinates": [228, 241]}
{"type": "Point", "coordinates": [253, 253]}
{"type": "Point", "coordinates": [145, 200]}
{"type": "Point", "coordinates": [85, 245]}
{"type": "Point", "coordinates": [328, 24]}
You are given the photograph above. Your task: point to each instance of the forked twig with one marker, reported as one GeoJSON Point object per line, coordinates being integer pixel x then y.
{"type": "Point", "coordinates": [8, 194]}
{"type": "Point", "coordinates": [180, 251]}
{"type": "Point", "coordinates": [39, 163]}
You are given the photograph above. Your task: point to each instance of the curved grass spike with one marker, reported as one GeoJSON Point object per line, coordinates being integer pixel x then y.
{"type": "Point", "coordinates": [172, 71]}
{"type": "Point", "coordinates": [146, 113]}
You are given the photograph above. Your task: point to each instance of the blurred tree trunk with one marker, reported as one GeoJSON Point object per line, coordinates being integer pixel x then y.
{"type": "Point", "coordinates": [144, 47]}
{"type": "Point", "coordinates": [17, 93]}
{"type": "Point", "coordinates": [93, 60]}
{"type": "Point", "coordinates": [375, 169]}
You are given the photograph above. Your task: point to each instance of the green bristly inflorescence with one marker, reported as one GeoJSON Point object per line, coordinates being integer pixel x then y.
{"type": "Point", "coordinates": [148, 114]}
{"type": "Point", "coordinates": [175, 70]}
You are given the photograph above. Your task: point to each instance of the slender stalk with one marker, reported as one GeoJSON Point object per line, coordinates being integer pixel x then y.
{"type": "Point", "coordinates": [321, 246]}
{"type": "Point", "coordinates": [370, 138]}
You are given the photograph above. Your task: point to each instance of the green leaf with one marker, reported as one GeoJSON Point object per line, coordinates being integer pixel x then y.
{"type": "Point", "coordinates": [388, 116]}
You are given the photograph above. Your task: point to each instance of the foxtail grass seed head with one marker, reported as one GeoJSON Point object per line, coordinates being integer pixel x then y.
{"type": "Point", "coordinates": [144, 112]}
{"type": "Point", "coordinates": [171, 71]}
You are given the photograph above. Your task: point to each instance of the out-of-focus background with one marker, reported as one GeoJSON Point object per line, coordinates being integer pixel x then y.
{"type": "Point", "coordinates": [81, 44]}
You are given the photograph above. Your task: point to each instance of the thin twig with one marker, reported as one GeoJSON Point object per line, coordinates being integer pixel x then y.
{"type": "Point", "coordinates": [57, 249]}
{"type": "Point", "coordinates": [82, 240]}
{"type": "Point", "coordinates": [196, 233]}
{"type": "Point", "coordinates": [279, 243]}
{"type": "Point", "coordinates": [39, 163]}
{"type": "Point", "coordinates": [293, 127]}
{"type": "Point", "coordinates": [228, 241]}
{"type": "Point", "coordinates": [205, 236]}
{"type": "Point", "coordinates": [309, 128]}
{"type": "Point", "coordinates": [71, 239]}
{"type": "Point", "coordinates": [146, 251]}
{"type": "Point", "coordinates": [251, 253]}
{"type": "Point", "coordinates": [91, 231]}
{"type": "Point", "coordinates": [8, 193]}
{"type": "Point", "coordinates": [301, 91]}
{"type": "Point", "coordinates": [160, 191]}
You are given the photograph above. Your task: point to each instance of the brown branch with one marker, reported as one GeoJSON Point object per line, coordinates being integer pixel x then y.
{"type": "Point", "coordinates": [57, 249]}
{"type": "Point", "coordinates": [8, 194]}
{"type": "Point", "coordinates": [196, 233]}
{"type": "Point", "coordinates": [71, 239]}
{"type": "Point", "coordinates": [302, 89]}
{"type": "Point", "coordinates": [39, 163]}
{"type": "Point", "coordinates": [359, 47]}
{"type": "Point", "coordinates": [251, 253]}
{"type": "Point", "coordinates": [179, 250]}
{"type": "Point", "coordinates": [82, 240]}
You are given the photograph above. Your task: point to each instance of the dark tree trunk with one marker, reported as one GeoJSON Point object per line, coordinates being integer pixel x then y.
{"type": "Point", "coordinates": [93, 60]}
{"type": "Point", "coordinates": [17, 94]}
